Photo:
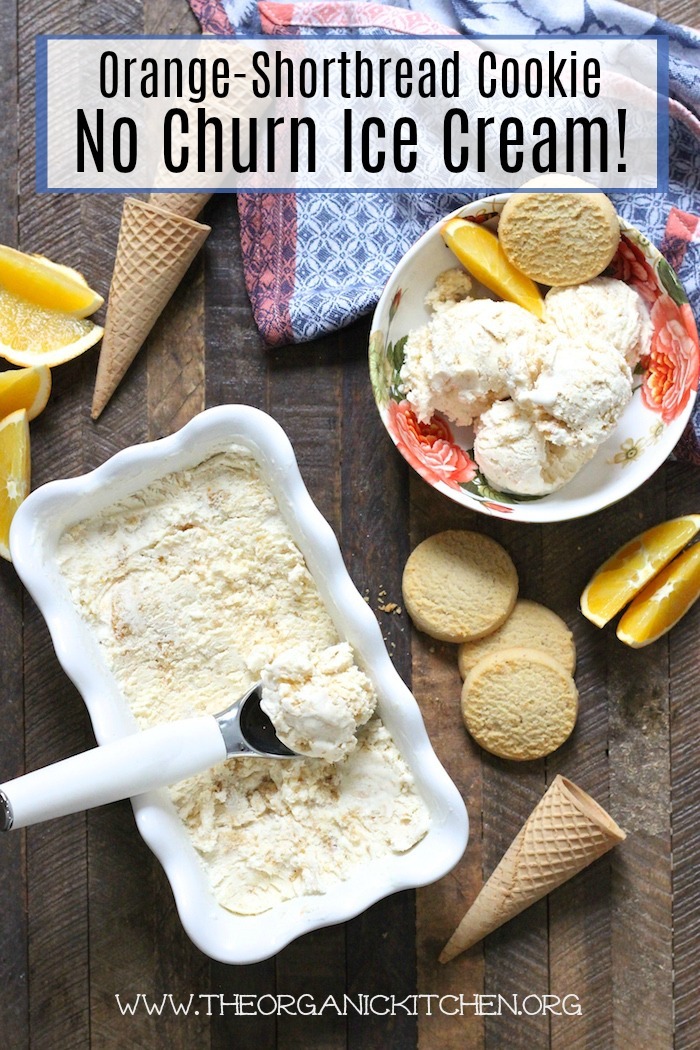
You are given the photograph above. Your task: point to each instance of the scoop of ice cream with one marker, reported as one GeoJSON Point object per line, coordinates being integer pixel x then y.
{"type": "Point", "coordinates": [605, 310]}
{"type": "Point", "coordinates": [461, 361]}
{"type": "Point", "coordinates": [577, 389]}
{"type": "Point", "coordinates": [317, 700]}
{"type": "Point", "coordinates": [451, 287]}
{"type": "Point", "coordinates": [514, 456]}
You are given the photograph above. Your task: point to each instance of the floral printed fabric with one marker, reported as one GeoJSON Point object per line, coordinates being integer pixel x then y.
{"type": "Point", "coordinates": [317, 261]}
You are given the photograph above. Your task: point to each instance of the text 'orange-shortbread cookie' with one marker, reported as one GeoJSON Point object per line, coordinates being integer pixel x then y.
{"type": "Point", "coordinates": [459, 585]}
{"type": "Point", "coordinates": [531, 625]}
{"type": "Point", "coordinates": [519, 704]}
{"type": "Point", "coordinates": [559, 239]}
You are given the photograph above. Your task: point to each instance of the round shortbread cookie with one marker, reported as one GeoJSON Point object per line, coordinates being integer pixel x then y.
{"type": "Point", "coordinates": [459, 585]}
{"type": "Point", "coordinates": [530, 625]}
{"type": "Point", "coordinates": [559, 238]}
{"type": "Point", "coordinates": [519, 704]}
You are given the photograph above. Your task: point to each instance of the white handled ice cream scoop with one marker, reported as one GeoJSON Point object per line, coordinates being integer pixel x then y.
{"type": "Point", "coordinates": [141, 762]}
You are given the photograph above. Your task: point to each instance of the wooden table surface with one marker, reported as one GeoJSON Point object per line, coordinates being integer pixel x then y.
{"type": "Point", "coordinates": [87, 914]}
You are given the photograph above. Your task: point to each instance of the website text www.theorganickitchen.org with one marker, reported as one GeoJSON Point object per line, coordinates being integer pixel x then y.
{"type": "Point", "coordinates": [361, 1004]}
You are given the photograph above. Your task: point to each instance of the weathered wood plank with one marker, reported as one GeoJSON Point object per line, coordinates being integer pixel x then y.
{"type": "Point", "coordinates": [122, 929]}
{"type": "Point", "coordinates": [124, 420]}
{"type": "Point", "coordinates": [156, 956]}
{"type": "Point", "coordinates": [640, 801]}
{"type": "Point", "coordinates": [645, 5]}
{"type": "Point", "coordinates": [437, 687]}
{"type": "Point", "coordinates": [381, 941]}
{"type": "Point", "coordinates": [57, 726]}
{"type": "Point", "coordinates": [303, 395]}
{"type": "Point", "coordinates": [162, 17]}
{"type": "Point", "coordinates": [516, 956]}
{"type": "Point", "coordinates": [682, 490]}
{"type": "Point", "coordinates": [235, 372]}
{"type": "Point", "coordinates": [182, 970]}
{"type": "Point", "coordinates": [13, 884]}
{"type": "Point", "coordinates": [175, 392]}
{"type": "Point", "coordinates": [241, 1026]}
{"type": "Point", "coordinates": [440, 907]}
{"type": "Point", "coordinates": [127, 942]}
{"type": "Point", "coordinates": [9, 133]}
{"type": "Point", "coordinates": [682, 494]}
{"type": "Point", "coordinates": [175, 363]}
{"type": "Point", "coordinates": [314, 968]}
{"type": "Point", "coordinates": [580, 954]}
{"type": "Point", "coordinates": [126, 887]}
{"type": "Point", "coordinates": [175, 359]}
{"type": "Point", "coordinates": [13, 879]}
{"type": "Point", "coordinates": [684, 12]}
{"type": "Point", "coordinates": [56, 723]}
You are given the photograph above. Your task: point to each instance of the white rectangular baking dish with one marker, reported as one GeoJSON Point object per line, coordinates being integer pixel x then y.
{"type": "Point", "coordinates": [35, 534]}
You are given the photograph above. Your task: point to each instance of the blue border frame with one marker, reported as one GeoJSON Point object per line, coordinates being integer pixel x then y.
{"type": "Point", "coordinates": [41, 55]}
{"type": "Point", "coordinates": [41, 137]}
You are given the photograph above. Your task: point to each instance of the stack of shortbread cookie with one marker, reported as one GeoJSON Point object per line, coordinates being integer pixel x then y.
{"type": "Point", "coordinates": [517, 658]}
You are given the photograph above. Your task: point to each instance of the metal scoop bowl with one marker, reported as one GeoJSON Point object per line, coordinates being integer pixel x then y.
{"type": "Point", "coordinates": [141, 762]}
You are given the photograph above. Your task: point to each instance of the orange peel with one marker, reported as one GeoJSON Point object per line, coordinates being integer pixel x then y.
{"type": "Point", "coordinates": [43, 310]}
{"type": "Point", "coordinates": [663, 602]}
{"type": "Point", "coordinates": [35, 335]}
{"type": "Point", "coordinates": [46, 284]}
{"type": "Point", "coordinates": [27, 388]}
{"type": "Point", "coordinates": [480, 252]}
{"type": "Point", "coordinates": [633, 566]}
{"type": "Point", "coordinates": [14, 472]}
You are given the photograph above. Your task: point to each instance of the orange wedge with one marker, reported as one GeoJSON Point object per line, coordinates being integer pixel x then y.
{"type": "Point", "coordinates": [36, 335]}
{"type": "Point", "coordinates": [630, 568]}
{"type": "Point", "coordinates": [27, 388]}
{"type": "Point", "coordinates": [39, 281]}
{"type": "Point", "coordinates": [479, 250]}
{"type": "Point", "coordinates": [14, 472]}
{"type": "Point", "coordinates": [663, 601]}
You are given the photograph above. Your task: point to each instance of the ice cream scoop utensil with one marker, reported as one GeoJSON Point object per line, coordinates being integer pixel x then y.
{"type": "Point", "coordinates": [140, 762]}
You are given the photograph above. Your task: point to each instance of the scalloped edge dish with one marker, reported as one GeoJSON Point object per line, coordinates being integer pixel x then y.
{"type": "Point", "coordinates": [36, 530]}
{"type": "Point", "coordinates": [650, 427]}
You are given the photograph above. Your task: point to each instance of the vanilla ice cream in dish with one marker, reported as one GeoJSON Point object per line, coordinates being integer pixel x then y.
{"type": "Point", "coordinates": [516, 456]}
{"type": "Point", "coordinates": [542, 395]}
{"type": "Point", "coordinates": [188, 585]}
{"type": "Point", "coordinates": [602, 310]}
{"type": "Point", "coordinates": [466, 357]}
{"type": "Point", "coordinates": [317, 700]}
{"type": "Point", "coordinates": [386, 816]}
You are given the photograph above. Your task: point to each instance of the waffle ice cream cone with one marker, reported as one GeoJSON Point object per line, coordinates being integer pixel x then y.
{"type": "Point", "coordinates": [155, 249]}
{"type": "Point", "coordinates": [188, 205]}
{"type": "Point", "coordinates": [565, 833]}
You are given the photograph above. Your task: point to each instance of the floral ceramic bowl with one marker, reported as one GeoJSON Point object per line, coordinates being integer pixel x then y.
{"type": "Point", "coordinates": [665, 384]}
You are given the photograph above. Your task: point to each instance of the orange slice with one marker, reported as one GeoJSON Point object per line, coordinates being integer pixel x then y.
{"type": "Point", "coordinates": [14, 472]}
{"type": "Point", "coordinates": [630, 568]}
{"type": "Point", "coordinates": [663, 601]}
{"type": "Point", "coordinates": [27, 388]}
{"type": "Point", "coordinates": [479, 250]}
{"type": "Point", "coordinates": [36, 335]}
{"type": "Point", "coordinates": [39, 281]}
